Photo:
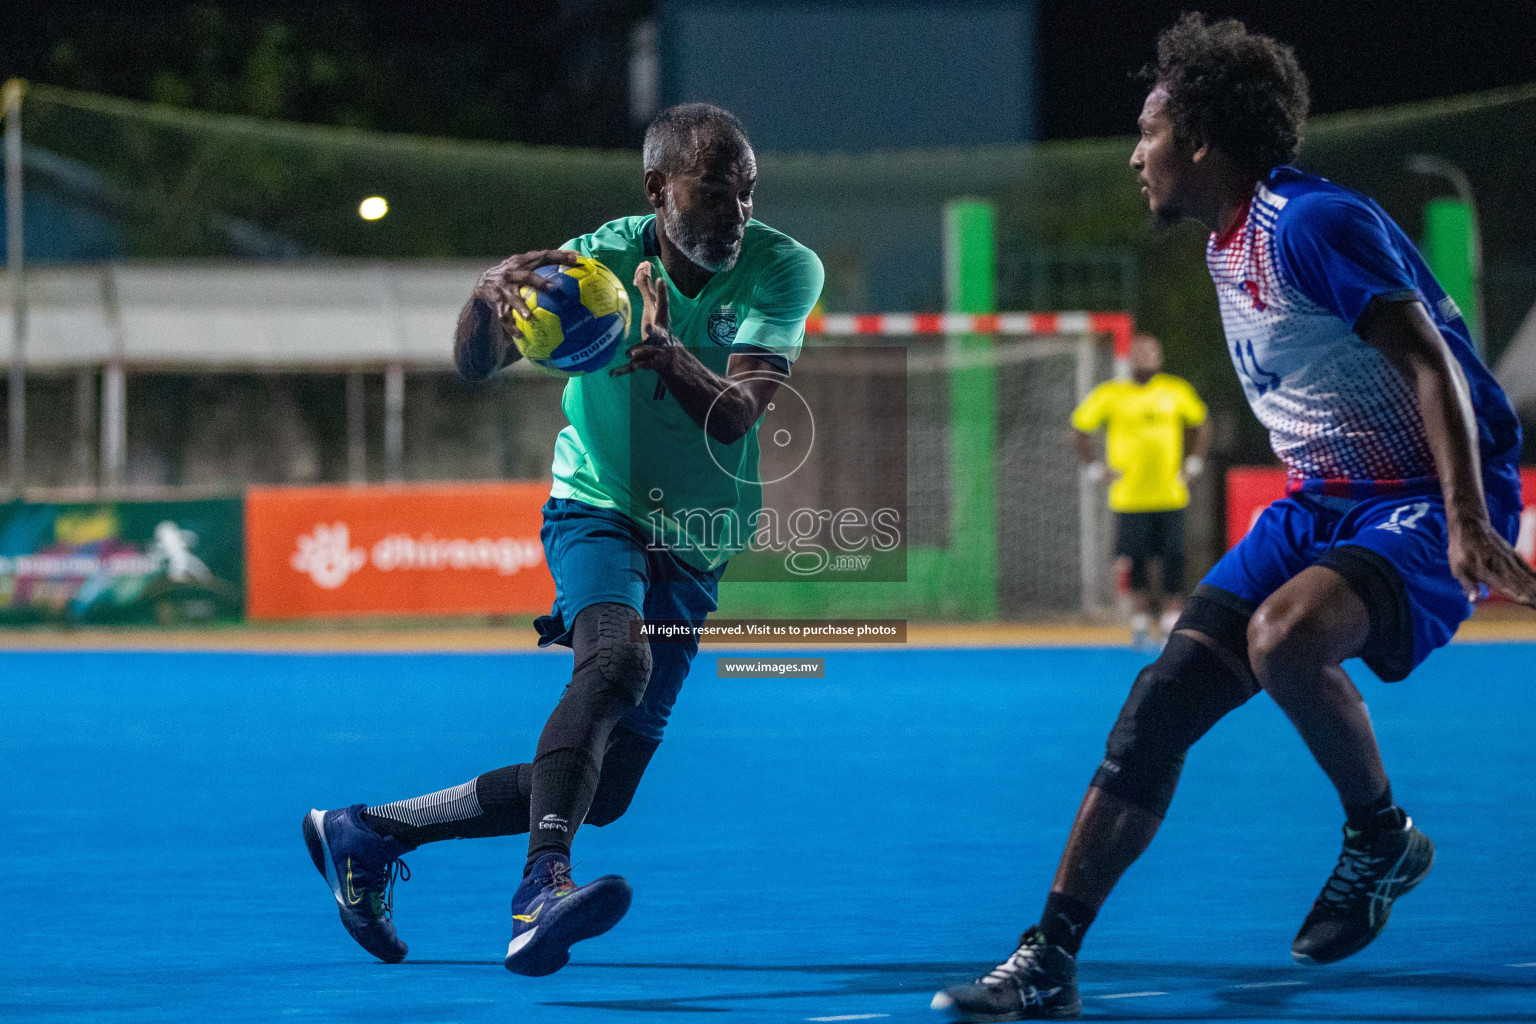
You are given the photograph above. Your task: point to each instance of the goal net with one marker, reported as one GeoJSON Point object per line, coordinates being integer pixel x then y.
{"type": "Point", "coordinates": [966, 437]}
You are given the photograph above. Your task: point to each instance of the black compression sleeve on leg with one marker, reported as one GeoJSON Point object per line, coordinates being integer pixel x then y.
{"type": "Point", "coordinates": [1174, 701]}
{"type": "Point", "coordinates": [493, 804]}
{"type": "Point", "coordinates": [499, 802]}
{"type": "Point", "coordinates": [626, 760]}
{"type": "Point", "coordinates": [610, 675]}
{"type": "Point", "coordinates": [503, 798]}
{"type": "Point", "coordinates": [425, 819]}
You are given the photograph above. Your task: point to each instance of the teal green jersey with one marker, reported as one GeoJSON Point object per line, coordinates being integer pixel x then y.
{"type": "Point", "coordinates": [631, 447]}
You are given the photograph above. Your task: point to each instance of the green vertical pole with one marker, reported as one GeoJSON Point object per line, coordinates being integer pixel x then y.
{"type": "Point", "coordinates": [1450, 242]}
{"type": "Point", "coordinates": [970, 287]}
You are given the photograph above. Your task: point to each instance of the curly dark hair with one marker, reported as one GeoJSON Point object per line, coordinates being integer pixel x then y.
{"type": "Point", "coordinates": [1240, 91]}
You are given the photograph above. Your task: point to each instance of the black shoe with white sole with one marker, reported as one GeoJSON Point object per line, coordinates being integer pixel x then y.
{"type": "Point", "coordinates": [1038, 982]}
{"type": "Point", "coordinates": [1376, 867]}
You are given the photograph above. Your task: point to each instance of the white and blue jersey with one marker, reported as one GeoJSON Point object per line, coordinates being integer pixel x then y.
{"type": "Point", "coordinates": [1294, 276]}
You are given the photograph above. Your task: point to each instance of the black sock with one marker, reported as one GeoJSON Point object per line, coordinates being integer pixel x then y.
{"type": "Point", "coordinates": [565, 773]}
{"type": "Point", "coordinates": [503, 797]}
{"type": "Point", "coordinates": [564, 782]}
{"type": "Point", "coordinates": [1378, 814]}
{"type": "Point", "coordinates": [1065, 921]}
{"type": "Point", "coordinates": [493, 804]}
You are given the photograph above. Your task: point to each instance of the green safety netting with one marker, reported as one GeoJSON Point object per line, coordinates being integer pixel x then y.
{"type": "Point", "coordinates": [182, 184]}
{"type": "Point", "coordinates": [177, 175]}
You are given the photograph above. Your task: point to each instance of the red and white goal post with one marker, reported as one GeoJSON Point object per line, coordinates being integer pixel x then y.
{"type": "Point", "coordinates": [1047, 530]}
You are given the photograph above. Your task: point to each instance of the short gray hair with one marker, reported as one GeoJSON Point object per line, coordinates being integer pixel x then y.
{"type": "Point", "coordinates": [676, 136]}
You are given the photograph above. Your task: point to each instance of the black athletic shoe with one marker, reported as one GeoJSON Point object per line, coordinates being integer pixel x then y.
{"type": "Point", "coordinates": [1376, 867]}
{"type": "Point", "coordinates": [360, 866]}
{"type": "Point", "coordinates": [1038, 982]}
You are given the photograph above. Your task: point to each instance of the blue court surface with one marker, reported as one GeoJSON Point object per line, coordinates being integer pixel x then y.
{"type": "Point", "coordinates": [817, 850]}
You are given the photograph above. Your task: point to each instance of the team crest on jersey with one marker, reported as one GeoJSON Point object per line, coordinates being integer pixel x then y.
{"type": "Point", "coordinates": [722, 325]}
{"type": "Point", "coordinates": [1252, 289]}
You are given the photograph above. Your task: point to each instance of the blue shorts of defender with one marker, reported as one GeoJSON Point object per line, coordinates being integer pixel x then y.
{"type": "Point", "coordinates": [599, 556]}
{"type": "Point", "coordinates": [1390, 549]}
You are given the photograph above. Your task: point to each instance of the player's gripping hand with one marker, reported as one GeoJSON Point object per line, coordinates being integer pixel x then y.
{"type": "Point", "coordinates": [656, 349]}
{"type": "Point", "coordinates": [1481, 558]}
{"type": "Point", "coordinates": [501, 286]}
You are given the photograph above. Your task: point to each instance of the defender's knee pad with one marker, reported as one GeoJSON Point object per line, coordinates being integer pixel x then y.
{"type": "Point", "coordinates": [1174, 701]}
{"type": "Point", "coordinates": [609, 663]}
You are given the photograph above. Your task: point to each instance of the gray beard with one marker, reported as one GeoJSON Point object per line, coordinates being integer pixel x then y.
{"type": "Point", "coordinates": [702, 250]}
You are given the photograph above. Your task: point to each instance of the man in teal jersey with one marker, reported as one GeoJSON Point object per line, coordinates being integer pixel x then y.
{"type": "Point", "coordinates": [635, 444]}
{"type": "Point", "coordinates": [655, 487]}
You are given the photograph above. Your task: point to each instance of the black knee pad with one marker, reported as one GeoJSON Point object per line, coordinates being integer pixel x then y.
{"type": "Point", "coordinates": [610, 664]}
{"type": "Point", "coordinates": [624, 762]}
{"type": "Point", "coordinates": [1174, 701]}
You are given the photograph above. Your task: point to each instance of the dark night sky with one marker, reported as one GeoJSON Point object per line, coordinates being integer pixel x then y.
{"type": "Point", "coordinates": [1357, 53]}
{"type": "Point", "coordinates": [556, 71]}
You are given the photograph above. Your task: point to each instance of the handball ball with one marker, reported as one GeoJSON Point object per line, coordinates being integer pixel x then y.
{"type": "Point", "coordinates": [575, 328]}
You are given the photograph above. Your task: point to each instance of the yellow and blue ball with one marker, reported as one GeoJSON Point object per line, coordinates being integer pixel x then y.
{"type": "Point", "coordinates": [575, 328]}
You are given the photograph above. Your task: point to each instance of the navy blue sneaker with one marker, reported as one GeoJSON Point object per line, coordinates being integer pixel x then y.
{"type": "Point", "coordinates": [361, 867]}
{"type": "Point", "coordinates": [550, 913]}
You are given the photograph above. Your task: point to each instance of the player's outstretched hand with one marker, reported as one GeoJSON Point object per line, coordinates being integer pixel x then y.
{"type": "Point", "coordinates": [1480, 557]}
{"type": "Point", "coordinates": [502, 285]}
{"type": "Point", "coordinates": [655, 350]}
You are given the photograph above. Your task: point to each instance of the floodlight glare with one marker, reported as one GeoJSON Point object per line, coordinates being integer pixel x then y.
{"type": "Point", "coordinates": [372, 208]}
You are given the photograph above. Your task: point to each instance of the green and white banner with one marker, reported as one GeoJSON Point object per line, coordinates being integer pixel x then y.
{"type": "Point", "coordinates": [161, 562]}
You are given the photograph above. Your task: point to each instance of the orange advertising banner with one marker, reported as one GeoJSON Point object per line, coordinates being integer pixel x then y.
{"type": "Point", "coordinates": [396, 550]}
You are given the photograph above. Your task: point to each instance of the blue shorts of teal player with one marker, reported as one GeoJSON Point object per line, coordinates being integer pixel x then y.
{"type": "Point", "coordinates": [599, 556]}
{"type": "Point", "coordinates": [1390, 549]}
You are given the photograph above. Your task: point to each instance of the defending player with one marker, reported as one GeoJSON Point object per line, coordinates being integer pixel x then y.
{"type": "Point", "coordinates": [1404, 496]}
{"type": "Point", "coordinates": [725, 300]}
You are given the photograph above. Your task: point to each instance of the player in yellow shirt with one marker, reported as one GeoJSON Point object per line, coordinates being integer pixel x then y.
{"type": "Point", "coordinates": [1149, 421]}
